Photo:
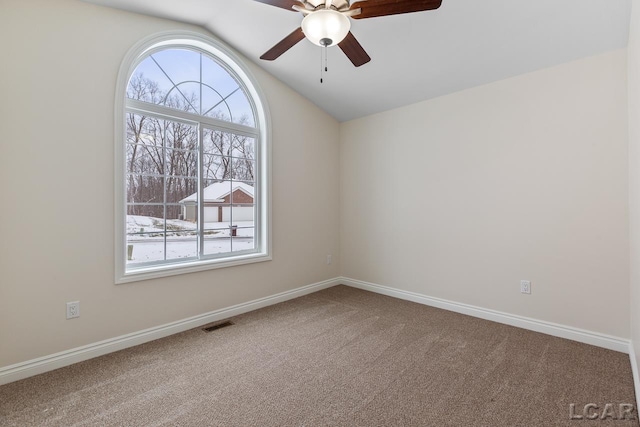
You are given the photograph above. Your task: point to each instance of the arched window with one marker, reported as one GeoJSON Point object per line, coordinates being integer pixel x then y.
{"type": "Point", "coordinates": [191, 160]}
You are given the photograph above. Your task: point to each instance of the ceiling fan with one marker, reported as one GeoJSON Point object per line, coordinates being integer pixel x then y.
{"type": "Point", "coordinates": [326, 22]}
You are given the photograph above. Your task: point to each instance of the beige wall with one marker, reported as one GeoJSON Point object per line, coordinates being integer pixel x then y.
{"type": "Point", "coordinates": [634, 173]}
{"type": "Point", "coordinates": [463, 196]}
{"type": "Point", "coordinates": [58, 73]}
{"type": "Point", "coordinates": [458, 197]}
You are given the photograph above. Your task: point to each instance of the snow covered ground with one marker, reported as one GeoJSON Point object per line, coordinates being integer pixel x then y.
{"type": "Point", "coordinates": [147, 224]}
{"type": "Point", "coordinates": [146, 234]}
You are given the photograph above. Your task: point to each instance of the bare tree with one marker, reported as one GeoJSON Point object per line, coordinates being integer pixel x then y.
{"type": "Point", "coordinates": [162, 155]}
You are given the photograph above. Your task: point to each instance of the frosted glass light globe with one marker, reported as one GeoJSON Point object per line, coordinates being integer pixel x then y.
{"type": "Point", "coordinates": [326, 27]}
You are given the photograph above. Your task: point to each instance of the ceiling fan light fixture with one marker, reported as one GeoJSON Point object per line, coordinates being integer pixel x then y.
{"type": "Point", "coordinates": [326, 27]}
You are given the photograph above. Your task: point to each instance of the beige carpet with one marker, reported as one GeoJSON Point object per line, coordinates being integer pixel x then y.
{"type": "Point", "coordinates": [339, 357]}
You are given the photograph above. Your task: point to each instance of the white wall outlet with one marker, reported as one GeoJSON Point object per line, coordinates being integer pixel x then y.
{"type": "Point", "coordinates": [525, 286]}
{"type": "Point", "coordinates": [328, 259]}
{"type": "Point", "coordinates": [73, 309]}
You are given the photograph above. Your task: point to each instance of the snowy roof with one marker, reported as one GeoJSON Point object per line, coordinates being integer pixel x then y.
{"type": "Point", "coordinates": [216, 192]}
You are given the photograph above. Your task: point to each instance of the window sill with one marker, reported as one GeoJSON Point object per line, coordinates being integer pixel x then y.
{"type": "Point", "coordinates": [167, 270]}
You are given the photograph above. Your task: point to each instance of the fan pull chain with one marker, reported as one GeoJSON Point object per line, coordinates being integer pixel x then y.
{"type": "Point", "coordinates": [321, 65]}
{"type": "Point", "coordinates": [325, 59]}
{"type": "Point", "coordinates": [325, 63]}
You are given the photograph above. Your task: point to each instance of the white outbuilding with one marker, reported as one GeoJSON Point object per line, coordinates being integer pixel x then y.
{"type": "Point", "coordinates": [224, 201]}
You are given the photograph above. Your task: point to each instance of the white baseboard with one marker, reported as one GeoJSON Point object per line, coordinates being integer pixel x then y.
{"type": "Point", "coordinates": [562, 331]}
{"type": "Point", "coordinates": [634, 370]}
{"type": "Point", "coordinates": [58, 360]}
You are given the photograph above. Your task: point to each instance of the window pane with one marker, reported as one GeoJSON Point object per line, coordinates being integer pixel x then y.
{"type": "Point", "coordinates": [144, 189]}
{"type": "Point", "coordinates": [243, 193]}
{"type": "Point", "coordinates": [243, 239]}
{"type": "Point", "coordinates": [217, 77]}
{"type": "Point", "coordinates": [227, 192]}
{"type": "Point", "coordinates": [228, 144]}
{"type": "Point", "coordinates": [143, 247]}
{"type": "Point", "coordinates": [220, 217]}
{"type": "Point", "coordinates": [223, 97]}
{"type": "Point", "coordinates": [213, 215]}
{"type": "Point", "coordinates": [242, 111]}
{"type": "Point", "coordinates": [216, 242]}
{"type": "Point", "coordinates": [219, 228]}
{"type": "Point", "coordinates": [184, 97]}
{"type": "Point", "coordinates": [182, 136]}
{"type": "Point", "coordinates": [243, 147]}
{"type": "Point", "coordinates": [182, 190]}
{"type": "Point", "coordinates": [216, 142]}
{"type": "Point", "coordinates": [145, 130]}
{"type": "Point", "coordinates": [148, 232]}
{"type": "Point", "coordinates": [182, 236]}
{"type": "Point", "coordinates": [178, 64]}
{"type": "Point", "coordinates": [174, 211]}
{"type": "Point", "coordinates": [242, 220]}
{"type": "Point", "coordinates": [216, 168]}
{"type": "Point", "coordinates": [243, 170]}
{"type": "Point", "coordinates": [148, 84]}
{"type": "Point", "coordinates": [145, 224]}
{"type": "Point", "coordinates": [141, 209]}
{"type": "Point", "coordinates": [190, 81]}
{"type": "Point", "coordinates": [170, 78]}
{"type": "Point", "coordinates": [182, 245]}
{"type": "Point", "coordinates": [145, 233]}
{"type": "Point", "coordinates": [144, 159]}
{"type": "Point", "coordinates": [242, 215]}
{"type": "Point", "coordinates": [182, 199]}
{"type": "Point", "coordinates": [215, 105]}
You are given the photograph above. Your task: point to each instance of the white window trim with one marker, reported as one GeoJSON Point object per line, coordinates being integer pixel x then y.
{"type": "Point", "coordinates": [263, 123]}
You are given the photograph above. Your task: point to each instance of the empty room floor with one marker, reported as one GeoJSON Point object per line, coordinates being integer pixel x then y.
{"type": "Point", "coordinates": [338, 357]}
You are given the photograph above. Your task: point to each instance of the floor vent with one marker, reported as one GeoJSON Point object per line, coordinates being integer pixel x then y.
{"type": "Point", "coordinates": [218, 326]}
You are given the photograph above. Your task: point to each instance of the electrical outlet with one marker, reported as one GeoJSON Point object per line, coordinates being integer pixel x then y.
{"type": "Point", "coordinates": [525, 286]}
{"type": "Point", "coordinates": [73, 309]}
{"type": "Point", "coordinates": [328, 259]}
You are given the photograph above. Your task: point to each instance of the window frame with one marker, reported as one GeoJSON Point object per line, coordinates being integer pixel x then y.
{"type": "Point", "coordinates": [262, 221]}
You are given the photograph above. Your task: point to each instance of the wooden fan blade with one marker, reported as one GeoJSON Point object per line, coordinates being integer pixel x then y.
{"type": "Point", "coordinates": [353, 50]}
{"type": "Point", "coordinates": [284, 45]}
{"type": "Point", "coordinates": [284, 4]}
{"type": "Point", "coordinates": [373, 8]}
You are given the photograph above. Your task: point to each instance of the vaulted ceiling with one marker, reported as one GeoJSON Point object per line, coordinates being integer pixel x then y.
{"type": "Point", "coordinates": [417, 56]}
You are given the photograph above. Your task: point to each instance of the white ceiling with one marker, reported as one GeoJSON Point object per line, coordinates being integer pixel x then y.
{"type": "Point", "coordinates": [417, 56]}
